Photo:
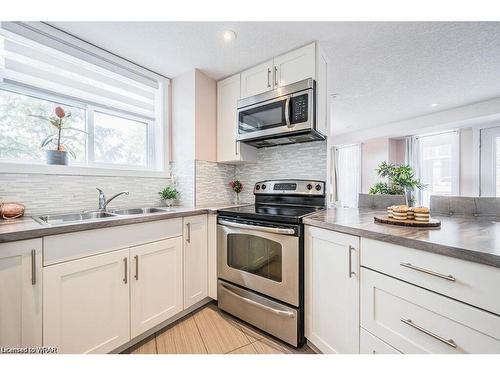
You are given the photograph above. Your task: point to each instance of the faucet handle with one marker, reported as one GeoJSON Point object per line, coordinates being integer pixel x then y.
{"type": "Point", "coordinates": [99, 190]}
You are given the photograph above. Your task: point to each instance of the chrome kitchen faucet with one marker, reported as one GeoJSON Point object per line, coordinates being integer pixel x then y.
{"type": "Point", "coordinates": [103, 203]}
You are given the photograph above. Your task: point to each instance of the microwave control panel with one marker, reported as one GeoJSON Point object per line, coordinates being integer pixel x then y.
{"type": "Point", "coordinates": [300, 108]}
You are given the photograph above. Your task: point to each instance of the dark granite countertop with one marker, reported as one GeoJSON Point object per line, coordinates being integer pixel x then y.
{"type": "Point", "coordinates": [27, 227]}
{"type": "Point", "coordinates": [476, 239]}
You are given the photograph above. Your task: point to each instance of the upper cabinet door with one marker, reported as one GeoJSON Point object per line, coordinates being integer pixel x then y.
{"type": "Point", "coordinates": [21, 293]}
{"type": "Point", "coordinates": [228, 93]}
{"type": "Point", "coordinates": [257, 80]}
{"type": "Point", "coordinates": [195, 259]}
{"type": "Point", "coordinates": [295, 65]}
{"type": "Point", "coordinates": [155, 283]}
{"type": "Point", "coordinates": [86, 303]}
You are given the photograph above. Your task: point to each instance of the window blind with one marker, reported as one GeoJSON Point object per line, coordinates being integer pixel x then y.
{"type": "Point", "coordinates": [37, 61]}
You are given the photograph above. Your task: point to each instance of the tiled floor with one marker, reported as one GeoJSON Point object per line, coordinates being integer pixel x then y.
{"type": "Point", "coordinates": [209, 330]}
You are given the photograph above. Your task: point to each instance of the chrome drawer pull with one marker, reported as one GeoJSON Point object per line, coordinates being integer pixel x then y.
{"type": "Point", "coordinates": [136, 267]}
{"type": "Point", "coordinates": [125, 270]}
{"type": "Point", "coordinates": [351, 272]}
{"type": "Point", "coordinates": [449, 342]}
{"type": "Point", "coordinates": [429, 272]}
{"type": "Point", "coordinates": [287, 314]}
{"type": "Point", "coordinates": [33, 267]}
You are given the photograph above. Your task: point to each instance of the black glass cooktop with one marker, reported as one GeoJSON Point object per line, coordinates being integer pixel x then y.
{"type": "Point", "coordinates": [283, 214]}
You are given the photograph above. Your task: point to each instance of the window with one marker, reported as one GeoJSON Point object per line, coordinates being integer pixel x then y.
{"type": "Point", "coordinates": [490, 162]}
{"type": "Point", "coordinates": [348, 174]}
{"type": "Point", "coordinates": [438, 157]}
{"type": "Point", "coordinates": [120, 107]}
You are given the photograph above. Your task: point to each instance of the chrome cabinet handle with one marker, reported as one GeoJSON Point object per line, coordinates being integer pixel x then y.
{"type": "Point", "coordinates": [125, 273]}
{"type": "Point", "coordinates": [287, 112]}
{"type": "Point", "coordinates": [351, 272]}
{"type": "Point", "coordinates": [136, 267]}
{"type": "Point", "coordinates": [429, 272]}
{"type": "Point", "coordinates": [287, 314]}
{"type": "Point", "coordinates": [268, 77]}
{"type": "Point", "coordinates": [236, 148]}
{"type": "Point", "coordinates": [256, 227]}
{"type": "Point", "coordinates": [188, 226]}
{"type": "Point", "coordinates": [448, 342]}
{"type": "Point", "coordinates": [276, 76]}
{"type": "Point", "coordinates": [33, 267]}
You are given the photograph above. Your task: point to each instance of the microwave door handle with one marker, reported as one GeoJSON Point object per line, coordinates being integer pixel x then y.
{"type": "Point", "coordinates": [257, 227]}
{"type": "Point", "coordinates": [287, 112]}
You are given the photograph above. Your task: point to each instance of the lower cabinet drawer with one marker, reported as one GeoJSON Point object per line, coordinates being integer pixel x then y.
{"type": "Point", "coordinates": [415, 320]}
{"type": "Point", "coordinates": [469, 282]}
{"type": "Point", "coordinates": [370, 344]}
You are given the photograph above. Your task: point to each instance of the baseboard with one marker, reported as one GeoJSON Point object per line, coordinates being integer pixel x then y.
{"type": "Point", "coordinates": [313, 347]}
{"type": "Point", "coordinates": [160, 326]}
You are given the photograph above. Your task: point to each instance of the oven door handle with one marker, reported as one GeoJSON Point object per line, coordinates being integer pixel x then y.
{"type": "Point", "coordinates": [257, 227]}
{"type": "Point", "coordinates": [287, 314]}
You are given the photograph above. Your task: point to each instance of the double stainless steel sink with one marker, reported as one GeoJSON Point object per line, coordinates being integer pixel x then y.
{"type": "Point", "coordinates": [87, 216]}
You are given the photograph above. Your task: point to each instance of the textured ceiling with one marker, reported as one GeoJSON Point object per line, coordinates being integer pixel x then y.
{"type": "Point", "coordinates": [381, 72]}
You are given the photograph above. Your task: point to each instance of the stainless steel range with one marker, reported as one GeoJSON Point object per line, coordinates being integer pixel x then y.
{"type": "Point", "coordinates": [261, 257]}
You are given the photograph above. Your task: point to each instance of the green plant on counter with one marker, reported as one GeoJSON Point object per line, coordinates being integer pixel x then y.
{"type": "Point", "coordinates": [400, 180]}
{"type": "Point", "coordinates": [168, 193]}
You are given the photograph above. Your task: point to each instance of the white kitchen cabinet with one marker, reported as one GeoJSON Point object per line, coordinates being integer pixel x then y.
{"type": "Point", "coordinates": [295, 66]}
{"type": "Point", "coordinates": [229, 150]}
{"type": "Point", "coordinates": [21, 293]}
{"type": "Point", "coordinates": [371, 344]}
{"type": "Point", "coordinates": [155, 284]}
{"type": "Point", "coordinates": [415, 320]}
{"type": "Point", "coordinates": [195, 259]}
{"type": "Point", "coordinates": [332, 290]}
{"type": "Point", "coordinates": [86, 303]}
{"type": "Point", "coordinates": [258, 79]}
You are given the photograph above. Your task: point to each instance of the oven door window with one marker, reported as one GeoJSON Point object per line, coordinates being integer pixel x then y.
{"type": "Point", "coordinates": [262, 117]}
{"type": "Point", "coordinates": [253, 254]}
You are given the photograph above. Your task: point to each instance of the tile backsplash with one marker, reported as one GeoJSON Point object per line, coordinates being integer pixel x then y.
{"type": "Point", "coordinates": [212, 182]}
{"type": "Point", "coordinates": [61, 193]}
{"type": "Point", "coordinates": [300, 160]}
{"type": "Point", "coordinates": [199, 182]}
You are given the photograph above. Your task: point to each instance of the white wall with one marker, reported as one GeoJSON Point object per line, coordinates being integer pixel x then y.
{"type": "Point", "coordinates": [205, 117]}
{"type": "Point", "coordinates": [374, 152]}
{"type": "Point", "coordinates": [183, 117]}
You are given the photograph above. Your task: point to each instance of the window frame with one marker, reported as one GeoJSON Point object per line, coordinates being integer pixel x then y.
{"type": "Point", "coordinates": [157, 162]}
{"type": "Point", "coordinates": [455, 160]}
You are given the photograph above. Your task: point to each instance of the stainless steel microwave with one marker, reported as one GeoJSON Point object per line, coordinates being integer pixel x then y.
{"type": "Point", "coordinates": [281, 116]}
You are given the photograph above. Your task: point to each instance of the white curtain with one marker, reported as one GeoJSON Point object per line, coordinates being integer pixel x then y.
{"type": "Point", "coordinates": [412, 158]}
{"type": "Point", "coordinates": [348, 174]}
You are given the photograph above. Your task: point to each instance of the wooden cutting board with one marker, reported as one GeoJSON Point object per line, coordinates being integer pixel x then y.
{"type": "Point", "coordinates": [432, 223]}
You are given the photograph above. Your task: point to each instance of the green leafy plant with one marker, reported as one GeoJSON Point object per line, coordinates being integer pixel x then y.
{"type": "Point", "coordinates": [59, 139]}
{"type": "Point", "coordinates": [400, 180]}
{"type": "Point", "coordinates": [168, 193]}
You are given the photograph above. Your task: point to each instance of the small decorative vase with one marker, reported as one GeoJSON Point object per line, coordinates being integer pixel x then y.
{"type": "Point", "coordinates": [55, 157]}
{"type": "Point", "coordinates": [237, 199]}
{"type": "Point", "coordinates": [169, 202]}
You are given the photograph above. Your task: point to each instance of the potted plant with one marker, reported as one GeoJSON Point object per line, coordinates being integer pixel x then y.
{"type": "Point", "coordinates": [400, 181]}
{"type": "Point", "coordinates": [169, 195]}
{"type": "Point", "coordinates": [237, 187]}
{"type": "Point", "coordinates": [58, 155]}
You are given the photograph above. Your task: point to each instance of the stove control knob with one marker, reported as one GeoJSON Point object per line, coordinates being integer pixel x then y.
{"type": "Point", "coordinates": [257, 187]}
{"type": "Point", "coordinates": [263, 186]}
{"type": "Point", "coordinates": [318, 187]}
{"type": "Point", "coordinates": [309, 186]}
